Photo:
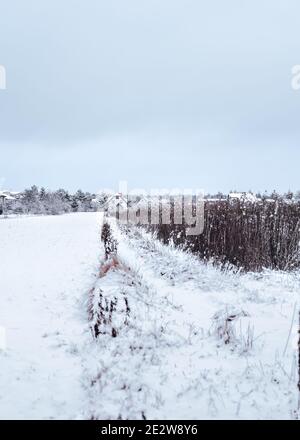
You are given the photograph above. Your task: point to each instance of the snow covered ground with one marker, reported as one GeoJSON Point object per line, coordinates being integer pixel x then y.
{"type": "Point", "coordinates": [168, 359]}
{"type": "Point", "coordinates": [175, 338]}
{"type": "Point", "coordinates": [47, 265]}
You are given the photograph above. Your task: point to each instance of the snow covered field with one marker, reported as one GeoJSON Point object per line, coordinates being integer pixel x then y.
{"type": "Point", "coordinates": [47, 264]}
{"type": "Point", "coordinates": [175, 338]}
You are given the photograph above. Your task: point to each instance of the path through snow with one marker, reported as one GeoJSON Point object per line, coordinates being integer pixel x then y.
{"type": "Point", "coordinates": [47, 265]}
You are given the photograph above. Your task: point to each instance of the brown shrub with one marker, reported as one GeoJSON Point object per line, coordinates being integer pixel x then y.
{"type": "Point", "coordinates": [251, 236]}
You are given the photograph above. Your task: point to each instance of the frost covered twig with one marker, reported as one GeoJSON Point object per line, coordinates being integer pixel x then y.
{"type": "Point", "coordinates": [290, 331]}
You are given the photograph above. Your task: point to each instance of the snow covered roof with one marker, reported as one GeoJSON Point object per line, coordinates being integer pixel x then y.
{"type": "Point", "coordinates": [243, 196]}
{"type": "Point", "coordinates": [7, 195]}
{"type": "Point", "coordinates": [116, 200]}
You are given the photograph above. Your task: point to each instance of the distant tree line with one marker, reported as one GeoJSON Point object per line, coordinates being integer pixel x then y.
{"type": "Point", "coordinates": [42, 201]}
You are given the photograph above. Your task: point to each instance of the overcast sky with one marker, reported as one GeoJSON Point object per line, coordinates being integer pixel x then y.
{"type": "Point", "coordinates": [161, 93]}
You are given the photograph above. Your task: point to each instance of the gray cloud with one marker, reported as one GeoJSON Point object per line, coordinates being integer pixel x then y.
{"type": "Point", "coordinates": [143, 85]}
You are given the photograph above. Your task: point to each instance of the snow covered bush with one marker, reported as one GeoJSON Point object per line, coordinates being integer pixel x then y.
{"type": "Point", "coordinates": [107, 313]}
{"type": "Point", "coordinates": [224, 327]}
{"type": "Point", "coordinates": [110, 244]}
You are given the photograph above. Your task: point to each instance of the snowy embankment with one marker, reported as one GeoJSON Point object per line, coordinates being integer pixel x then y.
{"type": "Point", "coordinates": [173, 338]}
{"type": "Point", "coordinates": [179, 339]}
{"type": "Point", "coordinates": [47, 266]}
